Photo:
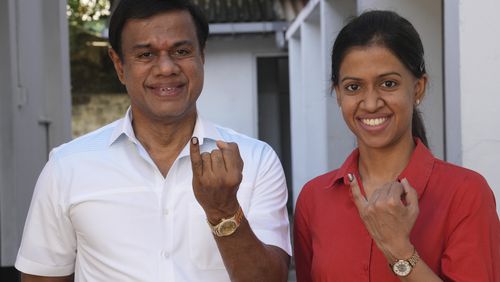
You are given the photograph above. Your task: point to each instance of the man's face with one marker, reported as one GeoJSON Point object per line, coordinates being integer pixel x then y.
{"type": "Point", "coordinates": [161, 66]}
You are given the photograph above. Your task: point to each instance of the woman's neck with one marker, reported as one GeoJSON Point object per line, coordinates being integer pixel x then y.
{"type": "Point", "coordinates": [378, 166]}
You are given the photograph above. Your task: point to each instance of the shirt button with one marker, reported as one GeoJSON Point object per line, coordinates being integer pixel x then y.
{"type": "Point", "coordinates": [365, 268]}
{"type": "Point", "coordinates": [165, 211]}
{"type": "Point", "coordinates": [165, 254]}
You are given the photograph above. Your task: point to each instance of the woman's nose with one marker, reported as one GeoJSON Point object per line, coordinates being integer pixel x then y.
{"type": "Point", "coordinates": [372, 100]}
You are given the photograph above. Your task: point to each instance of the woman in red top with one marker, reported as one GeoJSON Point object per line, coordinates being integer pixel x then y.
{"type": "Point", "coordinates": [392, 212]}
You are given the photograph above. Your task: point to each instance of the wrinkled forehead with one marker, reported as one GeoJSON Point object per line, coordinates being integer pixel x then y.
{"type": "Point", "coordinates": [167, 26]}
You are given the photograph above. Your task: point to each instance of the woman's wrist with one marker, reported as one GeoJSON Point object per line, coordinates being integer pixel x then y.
{"type": "Point", "coordinates": [396, 252]}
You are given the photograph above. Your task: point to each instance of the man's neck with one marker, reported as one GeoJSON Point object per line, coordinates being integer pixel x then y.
{"type": "Point", "coordinates": [164, 140]}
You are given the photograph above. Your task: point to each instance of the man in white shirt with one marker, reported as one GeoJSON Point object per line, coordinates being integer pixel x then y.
{"type": "Point", "coordinates": [161, 194]}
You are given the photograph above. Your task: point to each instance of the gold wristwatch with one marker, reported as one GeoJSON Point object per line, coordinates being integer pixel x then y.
{"type": "Point", "coordinates": [403, 267]}
{"type": "Point", "coordinates": [227, 226]}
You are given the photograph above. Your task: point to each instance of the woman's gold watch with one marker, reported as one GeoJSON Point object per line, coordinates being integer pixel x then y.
{"type": "Point", "coordinates": [403, 267]}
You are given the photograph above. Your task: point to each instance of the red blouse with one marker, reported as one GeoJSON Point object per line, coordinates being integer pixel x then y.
{"type": "Point", "coordinates": [457, 232]}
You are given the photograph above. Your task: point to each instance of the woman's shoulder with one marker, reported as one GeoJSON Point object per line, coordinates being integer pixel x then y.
{"type": "Point", "coordinates": [323, 180]}
{"type": "Point", "coordinates": [457, 174]}
{"type": "Point", "coordinates": [462, 184]}
{"type": "Point", "coordinates": [319, 184]}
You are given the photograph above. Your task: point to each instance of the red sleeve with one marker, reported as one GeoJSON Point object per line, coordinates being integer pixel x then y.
{"type": "Point", "coordinates": [302, 240]}
{"type": "Point", "coordinates": [473, 246]}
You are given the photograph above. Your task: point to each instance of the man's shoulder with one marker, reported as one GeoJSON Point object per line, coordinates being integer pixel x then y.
{"type": "Point", "coordinates": [93, 141]}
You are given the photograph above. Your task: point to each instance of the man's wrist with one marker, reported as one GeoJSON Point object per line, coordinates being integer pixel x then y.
{"type": "Point", "coordinates": [227, 226]}
{"type": "Point", "coordinates": [215, 216]}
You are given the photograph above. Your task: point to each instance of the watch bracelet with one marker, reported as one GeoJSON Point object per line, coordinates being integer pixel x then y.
{"type": "Point", "coordinates": [415, 257]}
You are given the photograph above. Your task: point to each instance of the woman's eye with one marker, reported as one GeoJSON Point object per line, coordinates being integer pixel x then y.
{"type": "Point", "coordinates": [352, 87]}
{"type": "Point", "coordinates": [389, 84]}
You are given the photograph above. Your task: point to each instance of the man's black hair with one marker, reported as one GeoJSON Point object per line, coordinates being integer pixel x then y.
{"type": "Point", "coordinates": [143, 9]}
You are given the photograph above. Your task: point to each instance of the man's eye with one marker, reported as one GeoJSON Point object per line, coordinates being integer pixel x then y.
{"type": "Point", "coordinates": [182, 52]}
{"type": "Point", "coordinates": [352, 87]}
{"type": "Point", "coordinates": [389, 84]}
{"type": "Point", "coordinates": [145, 55]}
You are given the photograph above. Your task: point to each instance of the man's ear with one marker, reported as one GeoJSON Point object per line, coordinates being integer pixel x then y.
{"type": "Point", "coordinates": [117, 62]}
{"type": "Point", "coordinates": [420, 88]}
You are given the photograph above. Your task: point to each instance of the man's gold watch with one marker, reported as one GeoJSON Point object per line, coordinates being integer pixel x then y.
{"type": "Point", "coordinates": [227, 226]}
{"type": "Point", "coordinates": [404, 267]}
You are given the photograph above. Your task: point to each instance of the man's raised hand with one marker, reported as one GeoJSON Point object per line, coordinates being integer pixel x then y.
{"type": "Point", "coordinates": [216, 178]}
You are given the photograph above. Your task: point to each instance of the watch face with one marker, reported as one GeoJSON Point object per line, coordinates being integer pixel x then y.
{"type": "Point", "coordinates": [401, 268]}
{"type": "Point", "coordinates": [227, 227]}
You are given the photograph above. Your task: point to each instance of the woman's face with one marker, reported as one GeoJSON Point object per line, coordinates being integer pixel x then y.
{"type": "Point", "coordinates": [377, 93]}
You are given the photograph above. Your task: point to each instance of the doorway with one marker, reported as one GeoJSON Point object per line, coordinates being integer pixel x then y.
{"type": "Point", "coordinates": [274, 111]}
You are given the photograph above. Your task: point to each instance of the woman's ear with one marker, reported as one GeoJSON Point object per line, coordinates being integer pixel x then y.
{"type": "Point", "coordinates": [420, 87]}
{"type": "Point", "coordinates": [117, 62]}
{"type": "Point", "coordinates": [337, 94]}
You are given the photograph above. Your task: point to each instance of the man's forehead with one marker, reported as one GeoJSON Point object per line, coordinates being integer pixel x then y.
{"type": "Point", "coordinates": [172, 27]}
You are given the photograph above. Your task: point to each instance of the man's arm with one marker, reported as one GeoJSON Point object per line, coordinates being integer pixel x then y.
{"type": "Point", "coordinates": [247, 259]}
{"type": "Point", "coordinates": [48, 244]}
{"type": "Point", "coordinates": [33, 278]}
{"type": "Point", "coordinates": [216, 178]}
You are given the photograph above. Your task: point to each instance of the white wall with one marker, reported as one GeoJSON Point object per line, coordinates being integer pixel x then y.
{"type": "Point", "coordinates": [479, 37]}
{"type": "Point", "coordinates": [229, 96]}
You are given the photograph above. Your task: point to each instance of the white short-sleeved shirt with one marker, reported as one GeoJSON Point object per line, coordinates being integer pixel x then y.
{"type": "Point", "coordinates": [102, 209]}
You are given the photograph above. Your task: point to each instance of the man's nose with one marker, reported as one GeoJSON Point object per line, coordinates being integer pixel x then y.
{"type": "Point", "coordinates": [165, 65]}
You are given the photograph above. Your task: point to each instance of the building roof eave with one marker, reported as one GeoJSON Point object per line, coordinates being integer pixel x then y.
{"type": "Point", "coordinates": [247, 27]}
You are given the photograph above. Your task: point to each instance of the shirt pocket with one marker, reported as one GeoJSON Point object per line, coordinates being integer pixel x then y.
{"type": "Point", "coordinates": [203, 250]}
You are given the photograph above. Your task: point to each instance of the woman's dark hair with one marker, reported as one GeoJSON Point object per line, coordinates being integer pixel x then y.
{"type": "Point", "coordinates": [142, 9]}
{"type": "Point", "coordinates": [388, 29]}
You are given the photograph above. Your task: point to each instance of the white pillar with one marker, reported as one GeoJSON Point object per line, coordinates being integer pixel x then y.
{"type": "Point", "coordinates": [320, 139]}
{"type": "Point", "coordinates": [479, 39]}
{"type": "Point", "coordinates": [35, 107]}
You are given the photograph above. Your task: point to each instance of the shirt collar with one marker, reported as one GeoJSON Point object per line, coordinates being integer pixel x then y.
{"type": "Point", "coordinates": [417, 172]}
{"type": "Point", "coordinates": [123, 127]}
{"type": "Point", "coordinates": [350, 165]}
{"type": "Point", "coordinates": [203, 129]}
{"type": "Point", "coordinates": [207, 134]}
{"type": "Point", "coordinates": [419, 169]}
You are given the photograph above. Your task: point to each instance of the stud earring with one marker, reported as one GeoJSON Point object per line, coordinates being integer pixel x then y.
{"type": "Point", "coordinates": [417, 102]}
